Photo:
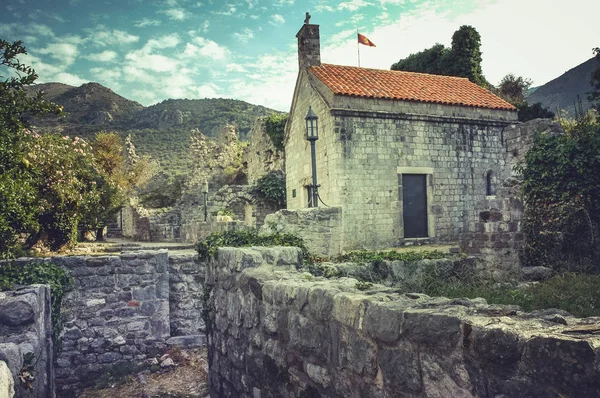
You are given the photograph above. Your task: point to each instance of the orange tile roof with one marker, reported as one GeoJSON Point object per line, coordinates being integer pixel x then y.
{"type": "Point", "coordinates": [408, 86]}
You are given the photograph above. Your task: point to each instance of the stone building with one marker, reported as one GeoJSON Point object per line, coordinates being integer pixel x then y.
{"type": "Point", "coordinates": [406, 156]}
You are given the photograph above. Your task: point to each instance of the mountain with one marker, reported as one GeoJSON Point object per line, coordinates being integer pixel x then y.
{"type": "Point", "coordinates": [562, 92]}
{"type": "Point", "coordinates": [162, 130]}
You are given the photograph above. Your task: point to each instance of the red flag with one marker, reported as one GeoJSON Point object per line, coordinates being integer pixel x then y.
{"type": "Point", "coordinates": [363, 40]}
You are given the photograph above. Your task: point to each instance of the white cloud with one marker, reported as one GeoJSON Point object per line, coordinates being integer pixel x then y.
{"type": "Point", "coordinates": [152, 62]}
{"type": "Point", "coordinates": [175, 14]}
{"type": "Point", "coordinates": [277, 19]}
{"type": "Point", "coordinates": [209, 90]}
{"type": "Point", "coordinates": [235, 68]}
{"type": "Point", "coordinates": [104, 56]}
{"type": "Point", "coordinates": [244, 36]}
{"type": "Point", "coordinates": [102, 36]}
{"type": "Point", "coordinates": [352, 5]}
{"type": "Point", "coordinates": [146, 22]}
{"type": "Point", "coordinates": [64, 52]}
{"type": "Point", "coordinates": [205, 48]}
{"type": "Point", "coordinates": [69, 78]}
{"type": "Point", "coordinates": [38, 29]}
{"type": "Point", "coordinates": [230, 10]}
{"type": "Point", "coordinates": [166, 41]}
{"type": "Point", "coordinates": [109, 76]}
{"type": "Point", "coordinates": [324, 7]}
{"type": "Point", "coordinates": [284, 2]}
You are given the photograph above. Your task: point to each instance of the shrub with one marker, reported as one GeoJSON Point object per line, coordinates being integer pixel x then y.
{"type": "Point", "coordinates": [271, 189]}
{"type": "Point", "coordinates": [39, 272]}
{"type": "Point", "coordinates": [247, 237]}
{"type": "Point", "coordinates": [561, 187]}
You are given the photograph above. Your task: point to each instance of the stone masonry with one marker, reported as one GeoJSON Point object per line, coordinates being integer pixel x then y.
{"type": "Point", "coordinates": [26, 340]}
{"type": "Point", "coordinates": [366, 145]}
{"type": "Point", "coordinates": [186, 280]}
{"type": "Point", "coordinates": [279, 333]}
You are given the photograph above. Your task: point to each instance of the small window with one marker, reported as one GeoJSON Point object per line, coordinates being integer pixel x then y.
{"type": "Point", "coordinates": [490, 183]}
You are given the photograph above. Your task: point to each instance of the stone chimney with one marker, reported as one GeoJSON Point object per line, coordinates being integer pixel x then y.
{"type": "Point", "coordinates": [309, 44]}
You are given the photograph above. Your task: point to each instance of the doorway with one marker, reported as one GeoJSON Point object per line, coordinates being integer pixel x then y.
{"type": "Point", "coordinates": [414, 199]}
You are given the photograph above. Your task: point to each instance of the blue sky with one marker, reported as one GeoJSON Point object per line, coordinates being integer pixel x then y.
{"type": "Point", "coordinates": [149, 51]}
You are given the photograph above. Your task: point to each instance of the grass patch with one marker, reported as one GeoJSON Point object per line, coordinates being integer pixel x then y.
{"type": "Point", "coordinates": [579, 294]}
{"type": "Point", "coordinates": [369, 256]}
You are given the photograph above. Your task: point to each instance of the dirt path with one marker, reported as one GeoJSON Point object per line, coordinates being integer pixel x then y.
{"type": "Point", "coordinates": [187, 379]}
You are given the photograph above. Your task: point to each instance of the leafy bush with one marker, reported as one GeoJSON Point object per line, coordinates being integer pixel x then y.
{"type": "Point", "coordinates": [271, 189]}
{"type": "Point", "coordinates": [247, 237]}
{"type": "Point", "coordinates": [12, 274]}
{"type": "Point", "coordinates": [390, 255]}
{"type": "Point", "coordinates": [275, 127]}
{"type": "Point", "coordinates": [561, 186]}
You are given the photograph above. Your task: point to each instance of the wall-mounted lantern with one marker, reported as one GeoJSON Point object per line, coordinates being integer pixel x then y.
{"type": "Point", "coordinates": [312, 135]}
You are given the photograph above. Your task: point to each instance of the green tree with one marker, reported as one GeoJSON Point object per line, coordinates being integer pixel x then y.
{"type": "Point", "coordinates": [513, 89]}
{"type": "Point", "coordinates": [465, 55]}
{"type": "Point", "coordinates": [18, 193]}
{"type": "Point", "coordinates": [463, 59]}
{"type": "Point", "coordinates": [594, 95]}
{"type": "Point", "coordinates": [431, 60]}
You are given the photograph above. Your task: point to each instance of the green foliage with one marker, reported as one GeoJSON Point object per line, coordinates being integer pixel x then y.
{"type": "Point", "coordinates": [275, 128]}
{"type": "Point", "coordinates": [12, 274]}
{"type": "Point", "coordinates": [431, 60]}
{"type": "Point", "coordinates": [17, 182]}
{"type": "Point", "coordinates": [360, 285]}
{"type": "Point", "coordinates": [463, 59]}
{"type": "Point", "coordinates": [271, 189]}
{"type": "Point", "coordinates": [578, 294]}
{"type": "Point", "coordinates": [561, 187]}
{"type": "Point", "coordinates": [390, 255]}
{"type": "Point", "coordinates": [594, 95]}
{"type": "Point", "coordinates": [226, 213]}
{"type": "Point", "coordinates": [528, 112]}
{"type": "Point", "coordinates": [513, 89]}
{"type": "Point", "coordinates": [247, 237]}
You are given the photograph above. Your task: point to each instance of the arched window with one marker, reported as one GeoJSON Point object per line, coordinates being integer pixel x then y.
{"type": "Point", "coordinates": [490, 183]}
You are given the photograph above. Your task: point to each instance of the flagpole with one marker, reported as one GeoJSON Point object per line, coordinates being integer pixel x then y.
{"type": "Point", "coordinates": [358, 47]}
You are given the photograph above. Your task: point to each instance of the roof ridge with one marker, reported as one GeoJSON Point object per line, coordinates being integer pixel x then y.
{"type": "Point", "coordinates": [393, 71]}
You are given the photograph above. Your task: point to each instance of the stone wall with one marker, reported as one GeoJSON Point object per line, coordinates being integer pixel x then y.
{"type": "Point", "coordinates": [121, 309]}
{"type": "Point", "coordinates": [320, 227]}
{"type": "Point", "coordinates": [366, 145]}
{"type": "Point", "coordinates": [277, 333]}
{"type": "Point", "coordinates": [26, 340]}
{"type": "Point", "coordinates": [118, 311]}
{"type": "Point", "coordinates": [186, 280]}
{"type": "Point", "coordinates": [519, 138]}
{"type": "Point", "coordinates": [185, 221]}
{"type": "Point", "coordinates": [261, 156]}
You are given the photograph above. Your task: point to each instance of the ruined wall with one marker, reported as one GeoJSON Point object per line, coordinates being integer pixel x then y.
{"type": "Point", "coordinates": [26, 340]}
{"type": "Point", "coordinates": [320, 227]}
{"type": "Point", "coordinates": [496, 237]}
{"type": "Point", "coordinates": [277, 333]}
{"type": "Point", "coordinates": [117, 311]}
{"type": "Point", "coordinates": [121, 309]}
{"type": "Point", "coordinates": [261, 156]}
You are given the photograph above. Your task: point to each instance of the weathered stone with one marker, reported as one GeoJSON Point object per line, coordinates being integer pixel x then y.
{"type": "Point", "coordinates": [16, 312]}
{"type": "Point", "coordinates": [7, 384]}
{"type": "Point", "coordinates": [536, 274]}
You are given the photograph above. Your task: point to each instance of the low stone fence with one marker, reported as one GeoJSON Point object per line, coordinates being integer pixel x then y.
{"type": "Point", "coordinates": [26, 342]}
{"type": "Point", "coordinates": [275, 332]}
{"type": "Point", "coordinates": [321, 228]}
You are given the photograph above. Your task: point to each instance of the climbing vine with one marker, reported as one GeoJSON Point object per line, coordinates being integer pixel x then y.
{"type": "Point", "coordinates": [275, 127]}
{"type": "Point", "coordinates": [271, 189]}
{"type": "Point", "coordinates": [561, 187]}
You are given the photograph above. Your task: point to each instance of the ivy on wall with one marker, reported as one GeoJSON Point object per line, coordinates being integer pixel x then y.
{"type": "Point", "coordinates": [271, 189]}
{"type": "Point", "coordinates": [275, 128]}
{"type": "Point", "coordinates": [561, 187]}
